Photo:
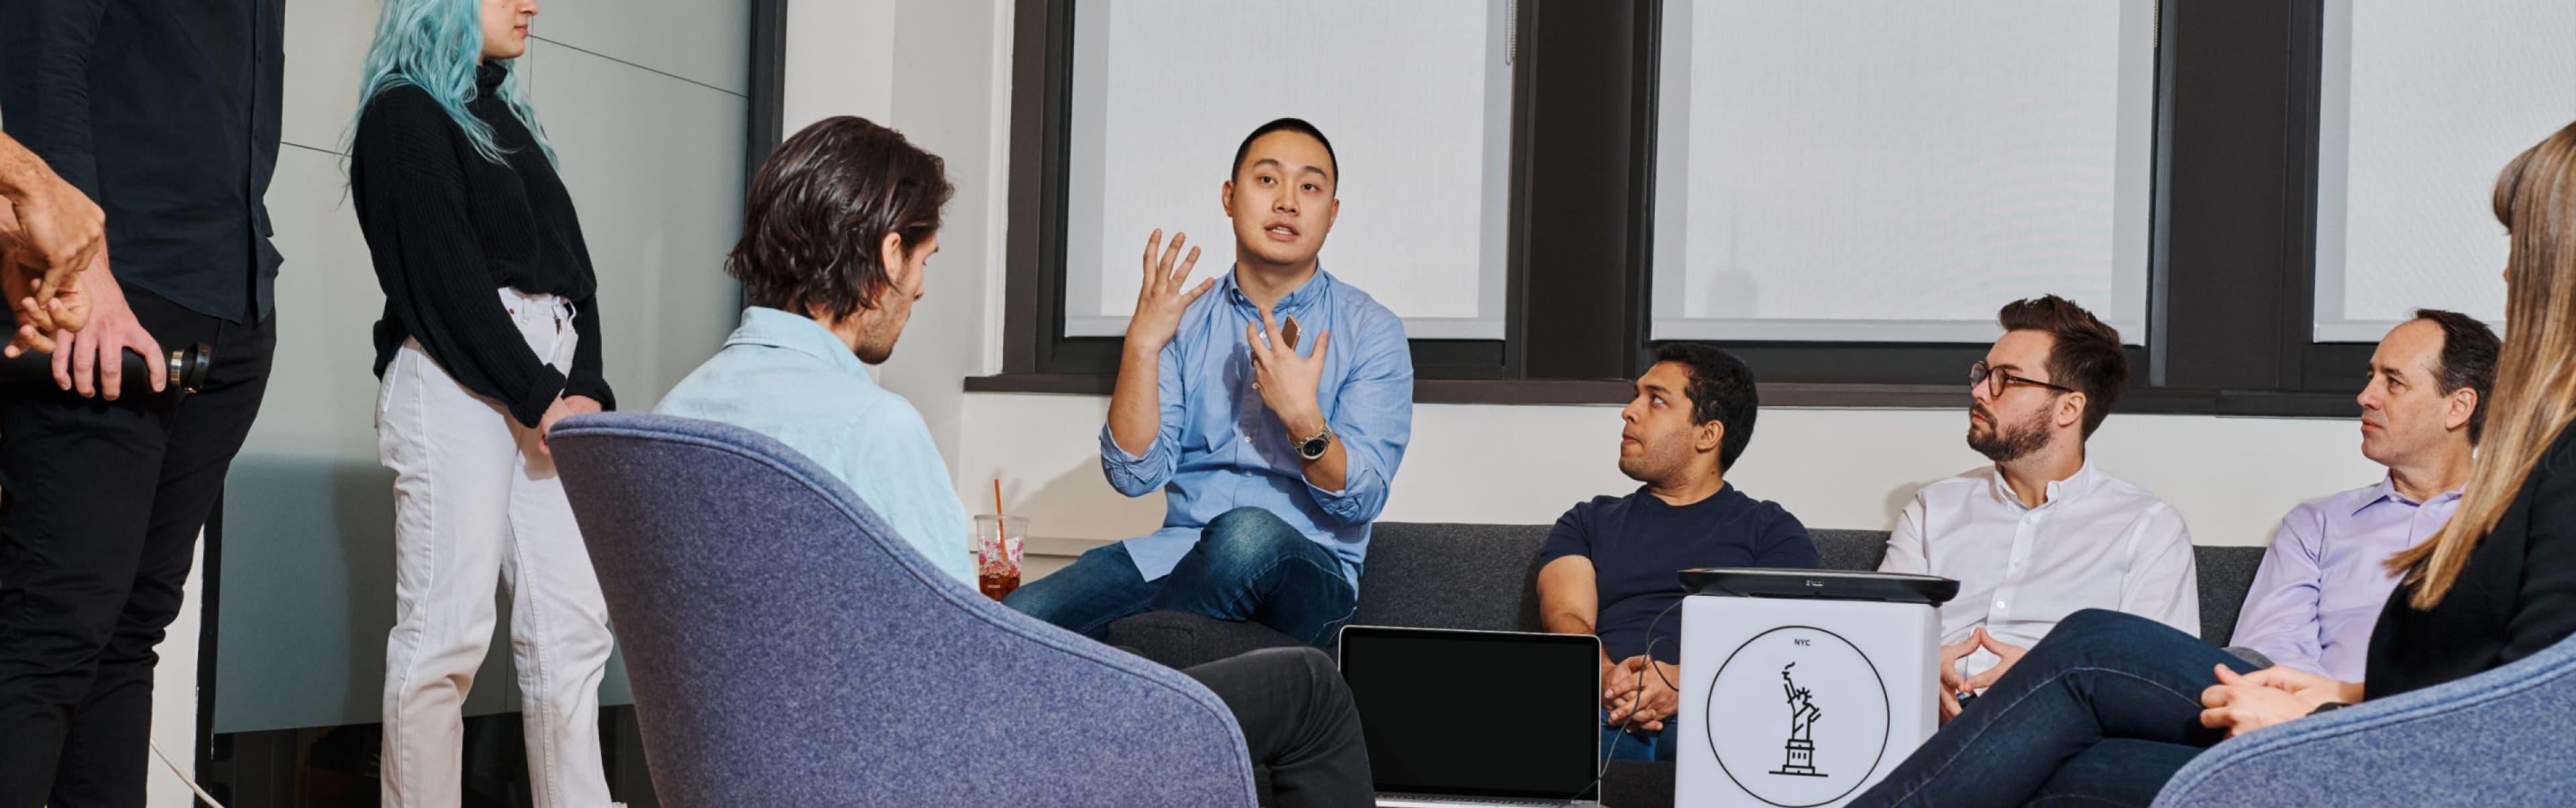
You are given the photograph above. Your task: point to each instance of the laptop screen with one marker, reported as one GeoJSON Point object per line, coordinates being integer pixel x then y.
{"type": "Point", "coordinates": [1476, 713]}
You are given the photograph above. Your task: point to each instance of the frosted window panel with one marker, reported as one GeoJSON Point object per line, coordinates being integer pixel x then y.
{"type": "Point", "coordinates": [1414, 95]}
{"type": "Point", "coordinates": [1876, 170]}
{"type": "Point", "coordinates": [2420, 104]}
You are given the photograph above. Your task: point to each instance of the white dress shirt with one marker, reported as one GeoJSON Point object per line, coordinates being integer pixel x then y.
{"type": "Point", "coordinates": [2095, 543]}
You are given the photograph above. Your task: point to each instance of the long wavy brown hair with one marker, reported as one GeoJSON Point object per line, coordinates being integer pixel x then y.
{"type": "Point", "coordinates": [2535, 386]}
{"type": "Point", "coordinates": [821, 206]}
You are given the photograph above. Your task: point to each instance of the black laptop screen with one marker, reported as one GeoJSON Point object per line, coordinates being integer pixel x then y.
{"type": "Point", "coordinates": [1503, 715]}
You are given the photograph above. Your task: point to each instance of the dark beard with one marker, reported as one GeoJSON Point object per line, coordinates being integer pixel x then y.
{"type": "Point", "coordinates": [2005, 444]}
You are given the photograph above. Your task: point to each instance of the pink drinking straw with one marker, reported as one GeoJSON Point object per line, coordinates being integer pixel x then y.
{"type": "Point", "coordinates": [1001, 529]}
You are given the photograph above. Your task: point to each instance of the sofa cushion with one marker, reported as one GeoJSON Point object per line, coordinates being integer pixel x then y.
{"type": "Point", "coordinates": [1849, 549]}
{"type": "Point", "coordinates": [2226, 574]}
{"type": "Point", "coordinates": [1451, 576]}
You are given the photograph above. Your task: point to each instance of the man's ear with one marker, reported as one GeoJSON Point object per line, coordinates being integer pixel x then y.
{"type": "Point", "coordinates": [2070, 409]}
{"type": "Point", "coordinates": [891, 253]}
{"type": "Point", "coordinates": [2463, 404]}
{"type": "Point", "coordinates": [1333, 213]}
{"type": "Point", "coordinates": [1225, 199]}
{"type": "Point", "coordinates": [1711, 436]}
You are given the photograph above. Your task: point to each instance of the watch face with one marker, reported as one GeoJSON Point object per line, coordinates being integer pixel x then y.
{"type": "Point", "coordinates": [1312, 449]}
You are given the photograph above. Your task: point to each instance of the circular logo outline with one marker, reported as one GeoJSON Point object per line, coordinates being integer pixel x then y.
{"type": "Point", "coordinates": [1887, 711]}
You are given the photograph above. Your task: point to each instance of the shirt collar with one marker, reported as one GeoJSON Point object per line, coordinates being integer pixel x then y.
{"type": "Point", "coordinates": [2386, 491]}
{"type": "Point", "coordinates": [774, 328]}
{"type": "Point", "coordinates": [490, 74]}
{"type": "Point", "coordinates": [1725, 492]}
{"type": "Point", "coordinates": [2085, 479]}
{"type": "Point", "coordinates": [1297, 300]}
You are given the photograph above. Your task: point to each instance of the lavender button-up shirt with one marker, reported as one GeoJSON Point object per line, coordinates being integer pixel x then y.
{"type": "Point", "coordinates": [2318, 594]}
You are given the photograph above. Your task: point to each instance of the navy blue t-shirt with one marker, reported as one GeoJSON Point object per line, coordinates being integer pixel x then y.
{"type": "Point", "coordinates": [1638, 546]}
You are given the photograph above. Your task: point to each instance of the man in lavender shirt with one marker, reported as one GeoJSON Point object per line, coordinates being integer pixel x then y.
{"type": "Point", "coordinates": [2318, 594]}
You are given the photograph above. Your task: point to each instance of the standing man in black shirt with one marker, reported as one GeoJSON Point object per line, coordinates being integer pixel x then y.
{"type": "Point", "coordinates": [166, 113]}
{"type": "Point", "coordinates": [1609, 567]}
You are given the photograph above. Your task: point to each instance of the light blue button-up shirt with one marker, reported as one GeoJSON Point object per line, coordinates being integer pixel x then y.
{"type": "Point", "coordinates": [787, 377]}
{"type": "Point", "coordinates": [2317, 597]}
{"type": "Point", "coordinates": [1220, 448]}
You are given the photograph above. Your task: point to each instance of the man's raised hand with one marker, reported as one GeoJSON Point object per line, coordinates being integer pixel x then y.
{"type": "Point", "coordinates": [1164, 295]}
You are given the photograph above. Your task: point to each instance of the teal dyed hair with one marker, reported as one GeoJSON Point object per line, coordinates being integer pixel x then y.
{"type": "Point", "coordinates": [433, 45]}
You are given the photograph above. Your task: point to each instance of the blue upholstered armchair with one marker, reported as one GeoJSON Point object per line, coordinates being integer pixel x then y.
{"type": "Point", "coordinates": [2504, 737]}
{"type": "Point", "coordinates": [787, 649]}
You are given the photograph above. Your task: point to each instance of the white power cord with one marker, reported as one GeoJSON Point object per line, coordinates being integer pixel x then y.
{"type": "Point", "coordinates": [183, 776]}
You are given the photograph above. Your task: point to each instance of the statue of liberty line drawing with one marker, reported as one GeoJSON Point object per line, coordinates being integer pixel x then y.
{"type": "Point", "coordinates": [1803, 713]}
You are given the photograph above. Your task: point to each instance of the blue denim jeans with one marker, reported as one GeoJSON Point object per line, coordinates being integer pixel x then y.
{"type": "Point", "coordinates": [1248, 566]}
{"type": "Point", "coordinates": [2102, 711]}
{"type": "Point", "coordinates": [1638, 744]}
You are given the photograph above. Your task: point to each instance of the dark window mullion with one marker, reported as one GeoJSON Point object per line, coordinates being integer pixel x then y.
{"type": "Point", "coordinates": [1589, 113]}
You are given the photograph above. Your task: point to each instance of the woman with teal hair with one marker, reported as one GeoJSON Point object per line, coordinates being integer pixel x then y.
{"type": "Point", "coordinates": [489, 337]}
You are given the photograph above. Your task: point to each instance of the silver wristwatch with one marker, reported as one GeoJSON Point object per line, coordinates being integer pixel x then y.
{"type": "Point", "coordinates": [1312, 448]}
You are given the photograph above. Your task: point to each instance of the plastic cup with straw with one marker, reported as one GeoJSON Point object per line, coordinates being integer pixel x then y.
{"type": "Point", "coordinates": [999, 574]}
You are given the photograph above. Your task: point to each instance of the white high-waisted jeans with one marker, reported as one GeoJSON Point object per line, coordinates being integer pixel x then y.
{"type": "Point", "coordinates": [476, 502]}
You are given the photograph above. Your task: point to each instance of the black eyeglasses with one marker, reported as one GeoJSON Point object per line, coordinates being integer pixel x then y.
{"type": "Point", "coordinates": [1996, 380]}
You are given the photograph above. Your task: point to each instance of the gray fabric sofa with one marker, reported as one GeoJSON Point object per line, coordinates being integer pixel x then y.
{"type": "Point", "coordinates": [1485, 577]}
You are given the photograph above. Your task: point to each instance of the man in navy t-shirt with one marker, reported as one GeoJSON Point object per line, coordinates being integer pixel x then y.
{"type": "Point", "coordinates": [1610, 566]}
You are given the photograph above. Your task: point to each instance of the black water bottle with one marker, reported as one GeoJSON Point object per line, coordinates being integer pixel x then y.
{"type": "Point", "coordinates": [33, 371]}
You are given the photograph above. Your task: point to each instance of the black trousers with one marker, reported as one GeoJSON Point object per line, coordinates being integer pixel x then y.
{"type": "Point", "coordinates": [1298, 721]}
{"type": "Point", "coordinates": [100, 506]}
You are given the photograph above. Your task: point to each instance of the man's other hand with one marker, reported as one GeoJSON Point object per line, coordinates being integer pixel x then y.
{"type": "Point", "coordinates": [91, 360]}
{"type": "Point", "coordinates": [1952, 683]}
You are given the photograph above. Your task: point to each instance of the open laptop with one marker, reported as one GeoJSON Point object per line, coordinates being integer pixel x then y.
{"type": "Point", "coordinates": [1476, 718]}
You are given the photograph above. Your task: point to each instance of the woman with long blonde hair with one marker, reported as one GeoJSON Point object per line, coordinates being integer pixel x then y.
{"type": "Point", "coordinates": [2109, 705]}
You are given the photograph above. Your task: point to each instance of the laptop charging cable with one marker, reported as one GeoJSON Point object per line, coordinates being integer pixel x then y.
{"type": "Point", "coordinates": [1611, 754]}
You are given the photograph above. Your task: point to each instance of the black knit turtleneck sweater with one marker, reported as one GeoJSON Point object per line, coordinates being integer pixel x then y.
{"type": "Point", "coordinates": [448, 227]}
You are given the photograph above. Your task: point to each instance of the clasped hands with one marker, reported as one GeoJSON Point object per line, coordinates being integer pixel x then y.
{"type": "Point", "coordinates": [1639, 692]}
{"type": "Point", "coordinates": [2242, 703]}
{"type": "Point", "coordinates": [47, 244]}
{"type": "Point", "coordinates": [1954, 685]}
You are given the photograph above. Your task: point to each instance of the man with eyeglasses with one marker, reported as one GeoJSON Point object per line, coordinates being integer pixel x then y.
{"type": "Point", "coordinates": [2042, 532]}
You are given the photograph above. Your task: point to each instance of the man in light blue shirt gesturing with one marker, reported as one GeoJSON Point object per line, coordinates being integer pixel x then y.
{"type": "Point", "coordinates": [1272, 414]}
